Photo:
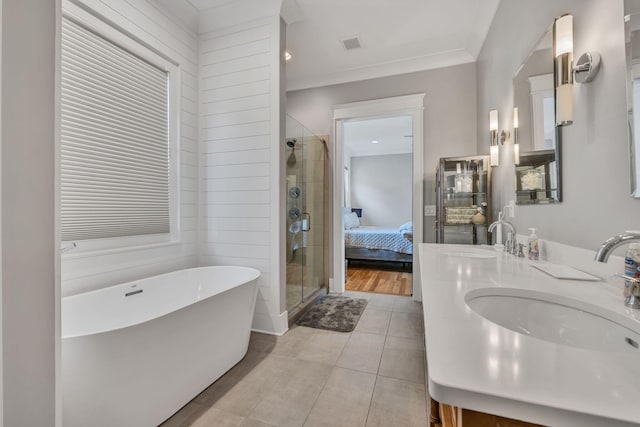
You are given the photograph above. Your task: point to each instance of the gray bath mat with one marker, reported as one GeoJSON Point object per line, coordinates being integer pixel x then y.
{"type": "Point", "coordinates": [334, 313]}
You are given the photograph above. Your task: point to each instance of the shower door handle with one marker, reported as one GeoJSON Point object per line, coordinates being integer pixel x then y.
{"type": "Point", "coordinates": [306, 221]}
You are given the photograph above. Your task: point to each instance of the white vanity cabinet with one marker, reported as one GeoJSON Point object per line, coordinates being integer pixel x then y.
{"type": "Point", "coordinates": [495, 373]}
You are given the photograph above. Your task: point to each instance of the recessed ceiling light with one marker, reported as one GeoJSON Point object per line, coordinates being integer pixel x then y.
{"type": "Point", "coordinates": [287, 55]}
{"type": "Point", "coordinates": [374, 141]}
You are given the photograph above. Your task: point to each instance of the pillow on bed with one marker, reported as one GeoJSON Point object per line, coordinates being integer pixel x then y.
{"type": "Point", "coordinates": [406, 230]}
{"type": "Point", "coordinates": [351, 220]}
{"type": "Point", "coordinates": [407, 226]}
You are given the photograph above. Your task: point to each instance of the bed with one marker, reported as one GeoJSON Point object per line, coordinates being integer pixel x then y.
{"type": "Point", "coordinates": [379, 244]}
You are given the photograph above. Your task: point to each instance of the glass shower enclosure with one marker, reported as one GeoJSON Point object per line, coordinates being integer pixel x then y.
{"type": "Point", "coordinates": [306, 213]}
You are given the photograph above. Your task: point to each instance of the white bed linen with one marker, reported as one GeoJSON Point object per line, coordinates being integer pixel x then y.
{"type": "Point", "coordinates": [377, 238]}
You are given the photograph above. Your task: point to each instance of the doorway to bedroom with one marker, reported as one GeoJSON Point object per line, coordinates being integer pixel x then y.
{"type": "Point", "coordinates": [378, 204]}
{"type": "Point", "coordinates": [366, 112]}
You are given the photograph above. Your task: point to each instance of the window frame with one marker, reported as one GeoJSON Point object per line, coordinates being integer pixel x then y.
{"type": "Point", "coordinates": [113, 33]}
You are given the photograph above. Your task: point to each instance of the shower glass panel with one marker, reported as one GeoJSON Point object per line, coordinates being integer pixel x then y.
{"type": "Point", "coordinates": [306, 210]}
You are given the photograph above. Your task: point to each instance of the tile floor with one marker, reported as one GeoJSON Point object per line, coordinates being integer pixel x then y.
{"type": "Point", "coordinates": [373, 376]}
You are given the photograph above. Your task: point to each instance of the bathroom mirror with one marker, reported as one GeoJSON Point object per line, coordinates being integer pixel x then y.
{"type": "Point", "coordinates": [538, 172]}
{"type": "Point", "coordinates": [632, 47]}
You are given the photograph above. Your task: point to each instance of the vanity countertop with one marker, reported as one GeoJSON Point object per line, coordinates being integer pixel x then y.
{"type": "Point", "coordinates": [476, 364]}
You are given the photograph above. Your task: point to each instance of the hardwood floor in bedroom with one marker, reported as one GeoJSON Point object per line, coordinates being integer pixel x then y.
{"type": "Point", "coordinates": [367, 279]}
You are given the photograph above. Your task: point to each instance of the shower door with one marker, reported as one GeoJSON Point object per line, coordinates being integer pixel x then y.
{"type": "Point", "coordinates": [305, 163]}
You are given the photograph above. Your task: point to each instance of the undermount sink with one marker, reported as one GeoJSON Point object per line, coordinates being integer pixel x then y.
{"type": "Point", "coordinates": [469, 252]}
{"type": "Point", "coordinates": [552, 318]}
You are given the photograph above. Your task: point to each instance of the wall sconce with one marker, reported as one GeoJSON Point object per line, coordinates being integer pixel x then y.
{"type": "Point", "coordinates": [563, 68]}
{"type": "Point", "coordinates": [516, 145]}
{"type": "Point", "coordinates": [564, 72]}
{"type": "Point", "coordinates": [493, 129]}
{"type": "Point", "coordinates": [496, 137]}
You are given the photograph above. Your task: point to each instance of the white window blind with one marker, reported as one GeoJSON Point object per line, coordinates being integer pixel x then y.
{"type": "Point", "coordinates": [115, 140]}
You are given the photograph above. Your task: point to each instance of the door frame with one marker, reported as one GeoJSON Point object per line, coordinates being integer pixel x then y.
{"type": "Point", "coordinates": [410, 105]}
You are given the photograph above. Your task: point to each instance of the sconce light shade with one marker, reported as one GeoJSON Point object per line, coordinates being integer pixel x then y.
{"type": "Point", "coordinates": [563, 68]}
{"type": "Point", "coordinates": [493, 130]}
{"type": "Point", "coordinates": [516, 145]}
{"type": "Point", "coordinates": [493, 120]}
{"type": "Point", "coordinates": [495, 155]}
{"type": "Point", "coordinates": [564, 105]}
{"type": "Point", "coordinates": [564, 35]}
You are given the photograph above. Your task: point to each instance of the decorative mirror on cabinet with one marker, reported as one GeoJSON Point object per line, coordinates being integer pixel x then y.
{"type": "Point", "coordinates": [632, 47]}
{"type": "Point", "coordinates": [537, 174]}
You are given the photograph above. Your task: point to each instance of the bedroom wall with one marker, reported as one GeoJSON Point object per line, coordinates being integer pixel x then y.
{"type": "Point", "coordinates": [596, 201]}
{"type": "Point", "coordinates": [381, 186]}
{"type": "Point", "coordinates": [449, 114]}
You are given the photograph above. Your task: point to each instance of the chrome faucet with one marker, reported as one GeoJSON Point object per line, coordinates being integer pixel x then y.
{"type": "Point", "coordinates": [613, 242]}
{"type": "Point", "coordinates": [632, 291]}
{"type": "Point", "coordinates": [511, 243]}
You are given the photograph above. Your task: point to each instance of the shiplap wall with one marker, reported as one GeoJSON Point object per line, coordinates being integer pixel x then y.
{"type": "Point", "coordinates": [154, 26]}
{"type": "Point", "coordinates": [240, 84]}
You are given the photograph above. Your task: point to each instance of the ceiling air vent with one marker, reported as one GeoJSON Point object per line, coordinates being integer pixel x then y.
{"type": "Point", "coordinates": [351, 43]}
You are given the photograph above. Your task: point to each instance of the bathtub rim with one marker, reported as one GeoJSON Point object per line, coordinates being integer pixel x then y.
{"type": "Point", "coordinates": [255, 275]}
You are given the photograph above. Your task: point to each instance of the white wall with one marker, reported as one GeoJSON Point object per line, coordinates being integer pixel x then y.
{"type": "Point", "coordinates": [29, 303]}
{"type": "Point", "coordinates": [596, 202]}
{"type": "Point", "coordinates": [230, 120]}
{"type": "Point", "coordinates": [381, 186]}
{"type": "Point", "coordinates": [154, 26]}
{"type": "Point", "coordinates": [449, 114]}
{"type": "Point", "coordinates": [241, 224]}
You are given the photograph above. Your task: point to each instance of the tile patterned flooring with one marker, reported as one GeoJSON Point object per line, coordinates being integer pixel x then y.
{"type": "Point", "coordinates": [373, 376]}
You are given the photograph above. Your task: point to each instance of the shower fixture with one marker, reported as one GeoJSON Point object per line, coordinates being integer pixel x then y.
{"type": "Point", "coordinates": [291, 161]}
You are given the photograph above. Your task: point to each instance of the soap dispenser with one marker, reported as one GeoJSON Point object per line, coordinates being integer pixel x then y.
{"type": "Point", "coordinates": [534, 251]}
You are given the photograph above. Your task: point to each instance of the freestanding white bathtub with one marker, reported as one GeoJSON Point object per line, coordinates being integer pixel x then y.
{"type": "Point", "coordinates": [134, 353]}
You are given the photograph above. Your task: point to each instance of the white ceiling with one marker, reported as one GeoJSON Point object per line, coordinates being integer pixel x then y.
{"type": "Point", "coordinates": [394, 136]}
{"type": "Point", "coordinates": [397, 36]}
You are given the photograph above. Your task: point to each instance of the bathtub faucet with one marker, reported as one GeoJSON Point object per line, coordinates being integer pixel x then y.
{"type": "Point", "coordinates": [67, 246]}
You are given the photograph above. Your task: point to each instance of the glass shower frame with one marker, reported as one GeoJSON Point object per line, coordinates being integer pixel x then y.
{"type": "Point", "coordinates": [306, 180]}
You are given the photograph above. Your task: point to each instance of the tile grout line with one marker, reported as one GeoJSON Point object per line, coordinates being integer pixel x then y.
{"type": "Point", "coordinates": [375, 383]}
{"type": "Point", "coordinates": [315, 401]}
{"type": "Point", "coordinates": [335, 365]}
{"type": "Point", "coordinates": [377, 373]}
